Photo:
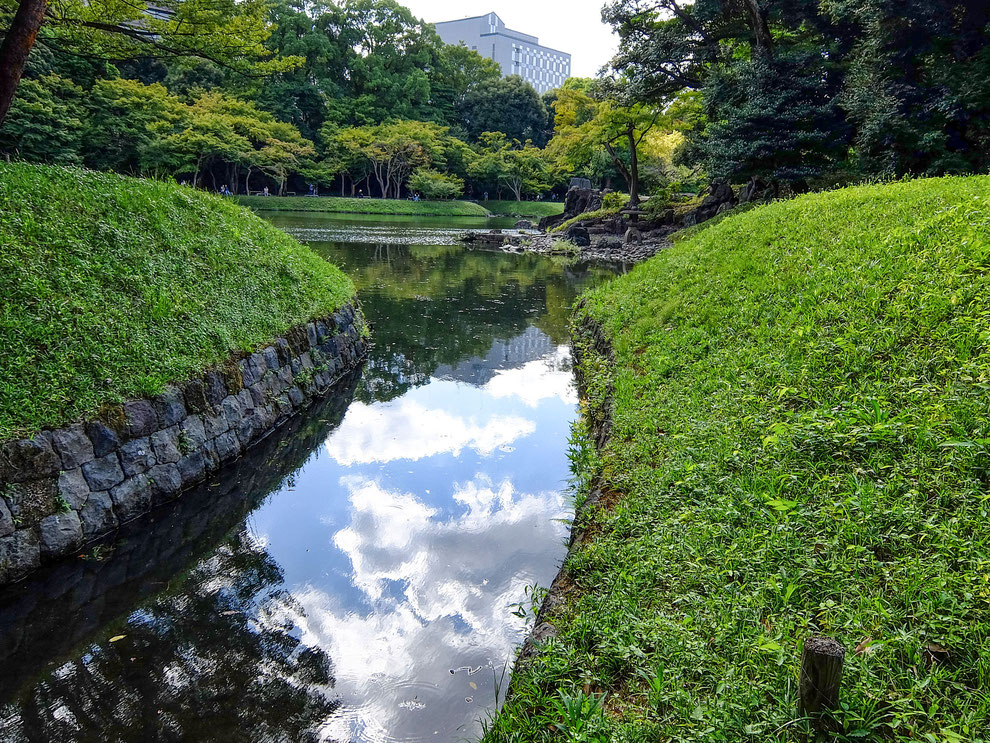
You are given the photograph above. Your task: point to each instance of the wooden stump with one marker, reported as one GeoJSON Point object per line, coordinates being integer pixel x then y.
{"type": "Point", "coordinates": [821, 676]}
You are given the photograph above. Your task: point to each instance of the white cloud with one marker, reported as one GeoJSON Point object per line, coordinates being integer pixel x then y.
{"type": "Point", "coordinates": [457, 580]}
{"type": "Point", "coordinates": [538, 380]}
{"type": "Point", "coordinates": [406, 430]}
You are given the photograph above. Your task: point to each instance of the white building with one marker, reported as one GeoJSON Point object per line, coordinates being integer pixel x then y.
{"type": "Point", "coordinates": [517, 53]}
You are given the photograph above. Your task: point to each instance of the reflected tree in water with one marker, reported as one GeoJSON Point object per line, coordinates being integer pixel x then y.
{"type": "Point", "coordinates": [474, 298]}
{"type": "Point", "coordinates": [211, 660]}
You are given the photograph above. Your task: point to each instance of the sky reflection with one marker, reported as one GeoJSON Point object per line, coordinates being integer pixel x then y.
{"type": "Point", "coordinates": [355, 575]}
{"type": "Point", "coordinates": [425, 520]}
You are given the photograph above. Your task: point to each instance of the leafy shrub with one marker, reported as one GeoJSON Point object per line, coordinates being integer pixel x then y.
{"type": "Point", "coordinates": [434, 185]}
{"type": "Point", "coordinates": [614, 201]}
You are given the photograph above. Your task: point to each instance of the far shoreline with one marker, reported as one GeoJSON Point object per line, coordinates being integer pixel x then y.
{"type": "Point", "coordinates": [402, 207]}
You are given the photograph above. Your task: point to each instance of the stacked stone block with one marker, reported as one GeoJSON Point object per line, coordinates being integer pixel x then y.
{"type": "Point", "coordinates": [64, 488]}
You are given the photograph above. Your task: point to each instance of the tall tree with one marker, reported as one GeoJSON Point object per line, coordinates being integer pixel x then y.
{"type": "Point", "coordinates": [510, 105]}
{"type": "Point", "coordinates": [227, 32]}
{"type": "Point", "coordinates": [46, 121]}
{"type": "Point", "coordinates": [917, 89]}
{"type": "Point", "coordinates": [587, 125]}
{"type": "Point", "coordinates": [770, 74]}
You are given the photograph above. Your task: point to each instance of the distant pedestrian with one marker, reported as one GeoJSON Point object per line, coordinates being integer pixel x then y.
{"type": "Point", "coordinates": [265, 192]}
{"type": "Point", "coordinates": [486, 196]}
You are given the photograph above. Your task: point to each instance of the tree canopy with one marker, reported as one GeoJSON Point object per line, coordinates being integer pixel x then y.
{"type": "Point", "coordinates": [810, 89]}
{"type": "Point", "coordinates": [364, 96]}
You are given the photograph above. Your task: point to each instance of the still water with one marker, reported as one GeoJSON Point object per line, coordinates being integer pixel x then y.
{"type": "Point", "coordinates": [356, 577]}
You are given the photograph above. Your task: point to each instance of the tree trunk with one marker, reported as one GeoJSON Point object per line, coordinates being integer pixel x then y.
{"type": "Point", "coordinates": [633, 168]}
{"type": "Point", "coordinates": [247, 181]}
{"type": "Point", "coordinates": [762, 39]}
{"type": "Point", "coordinates": [16, 48]}
{"type": "Point", "coordinates": [821, 678]}
{"type": "Point", "coordinates": [632, 183]}
{"type": "Point", "coordinates": [380, 175]}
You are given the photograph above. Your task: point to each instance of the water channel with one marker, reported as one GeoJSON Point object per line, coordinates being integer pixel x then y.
{"type": "Point", "coordinates": [355, 578]}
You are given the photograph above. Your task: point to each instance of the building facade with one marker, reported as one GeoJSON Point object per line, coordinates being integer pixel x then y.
{"type": "Point", "coordinates": [516, 53]}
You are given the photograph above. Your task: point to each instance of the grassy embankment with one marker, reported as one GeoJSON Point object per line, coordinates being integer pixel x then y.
{"type": "Point", "coordinates": [113, 287]}
{"type": "Point", "coordinates": [339, 205]}
{"type": "Point", "coordinates": [401, 207]}
{"type": "Point", "coordinates": [524, 209]}
{"type": "Point", "coordinates": [800, 444]}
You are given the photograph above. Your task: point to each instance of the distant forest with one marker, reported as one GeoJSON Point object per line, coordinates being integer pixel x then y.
{"type": "Point", "coordinates": [361, 96]}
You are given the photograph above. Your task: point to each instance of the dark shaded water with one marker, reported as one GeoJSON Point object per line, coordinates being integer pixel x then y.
{"type": "Point", "coordinates": [355, 578]}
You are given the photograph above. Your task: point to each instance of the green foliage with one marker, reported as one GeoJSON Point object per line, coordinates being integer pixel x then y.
{"type": "Point", "coordinates": [376, 86]}
{"type": "Point", "coordinates": [434, 185]}
{"type": "Point", "coordinates": [115, 287]}
{"type": "Point", "coordinates": [581, 716]}
{"type": "Point", "coordinates": [392, 152]}
{"type": "Point", "coordinates": [338, 205]}
{"type": "Point", "coordinates": [510, 106]}
{"type": "Point", "coordinates": [614, 200]}
{"type": "Point", "coordinates": [524, 208]}
{"type": "Point", "coordinates": [127, 126]}
{"type": "Point", "coordinates": [773, 119]}
{"type": "Point", "coordinates": [601, 138]}
{"type": "Point", "coordinates": [604, 213]}
{"type": "Point", "coordinates": [227, 33]}
{"type": "Point", "coordinates": [522, 168]}
{"type": "Point", "coordinates": [689, 232]}
{"type": "Point", "coordinates": [218, 129]}
{"type": "Point", "coordinates": [810, 91]}
{"type": "Point", "coordinates": [45, 122]}
{"type": "Point", "coordinates": [799, 415]}
{"type": "Point", "coordinates": [123, 121]}
{"type": "Point", "coordinates": [916, 85]}
{"type": "Point", "coordinates": [367, 62]}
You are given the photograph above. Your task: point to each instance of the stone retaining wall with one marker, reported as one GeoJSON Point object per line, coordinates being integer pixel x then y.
{"type": "Point", "coordinates": [64, 488]}
{"type": "Point", "coordinates": [148, 555]}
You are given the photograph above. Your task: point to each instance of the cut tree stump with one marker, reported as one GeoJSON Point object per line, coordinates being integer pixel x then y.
{"type": "Point", "coordinates": [821, 676]}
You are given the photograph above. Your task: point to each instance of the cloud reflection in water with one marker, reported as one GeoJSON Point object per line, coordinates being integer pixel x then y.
{"type": "Point", "coordinates": [435, 511]}
{"type": "Point", "coordinates": [458, 580]}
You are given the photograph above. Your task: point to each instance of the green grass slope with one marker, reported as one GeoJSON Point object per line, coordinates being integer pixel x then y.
{"type": "Point", "coordinates": [339, 205]}
{"type": "Point", "coordinates": [112, 287]}
{"type": "Point", "coordinates": [525, 209]}
{"type": "Point", "coordinates": [801, 444]}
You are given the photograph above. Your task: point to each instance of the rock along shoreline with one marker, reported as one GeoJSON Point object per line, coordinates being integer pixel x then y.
{"type": "Point", "coordinates": [630, 236]}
